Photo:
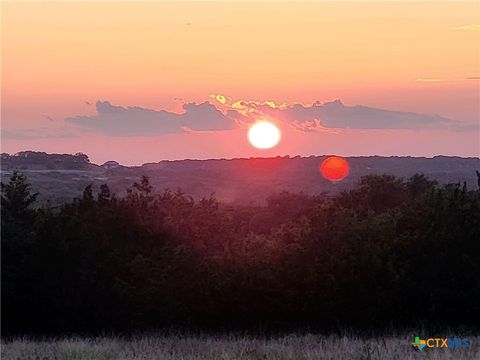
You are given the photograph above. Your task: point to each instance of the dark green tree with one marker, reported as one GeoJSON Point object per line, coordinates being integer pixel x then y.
{"type": "Point", "coordinates": [18, 235]}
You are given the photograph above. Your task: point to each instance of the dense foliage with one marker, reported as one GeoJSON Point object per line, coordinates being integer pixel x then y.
{"type": "Point", "coordinates": [391, 252]}
{"type": "Point", "coordinates": [42, 160]}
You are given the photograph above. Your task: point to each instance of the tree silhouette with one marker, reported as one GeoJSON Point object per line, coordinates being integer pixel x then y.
{"type": "Point", "coordinates": [389, 251]}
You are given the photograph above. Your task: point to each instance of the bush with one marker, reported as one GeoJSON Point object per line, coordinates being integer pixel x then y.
{"type": "Point", "coordinates": [389, 252]}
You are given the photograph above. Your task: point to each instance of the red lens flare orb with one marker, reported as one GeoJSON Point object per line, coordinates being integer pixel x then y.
{"type": "Point", "coordinates": [334, 168]}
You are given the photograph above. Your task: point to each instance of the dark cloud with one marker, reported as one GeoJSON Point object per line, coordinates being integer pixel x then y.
{"type": "Point", "coordinates": [137, 121]}
{"type": "Point", "coordinates": [336, 115]}
{"type": "Point", "coordinates": [330, 117]}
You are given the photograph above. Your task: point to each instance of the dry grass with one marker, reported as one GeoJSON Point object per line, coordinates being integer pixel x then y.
{"type": "Point", "coordinates": [187, 347]}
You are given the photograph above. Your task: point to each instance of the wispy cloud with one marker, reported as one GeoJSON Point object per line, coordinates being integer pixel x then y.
{"type": "Point", "coordinates": [37, 133]}
{"type": "Point", "coordinates": [468, 27]}
{"type": "Point", "coordinates": [49, 118]}
{"type": "Point", "coordinates": [313, 126]}
{"type": "Point", "coordinates": [47, 128]}
{"type": "Point", "coordinates": [247, 107]}
{"type": "Point", "coordinates": [439, 80]}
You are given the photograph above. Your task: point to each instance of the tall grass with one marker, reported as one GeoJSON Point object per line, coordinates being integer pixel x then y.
{"type": "Point", "coordinates": [226, 347]}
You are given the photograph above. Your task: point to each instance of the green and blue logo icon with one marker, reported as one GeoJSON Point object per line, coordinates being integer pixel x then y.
{"type": "Point", "coordinates": [458, 343]}
{"type": "Point", "coordinates": [418, 344]}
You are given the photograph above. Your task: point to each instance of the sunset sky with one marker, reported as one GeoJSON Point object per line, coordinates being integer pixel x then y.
{"type": "Point", "coordinates": [145, 81]}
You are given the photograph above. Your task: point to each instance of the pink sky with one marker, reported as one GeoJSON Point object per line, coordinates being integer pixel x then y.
{"type": "Point", "coordinates": [143, 62]}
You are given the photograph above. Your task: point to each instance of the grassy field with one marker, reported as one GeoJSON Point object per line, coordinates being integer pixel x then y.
{"type": "Point", "coordinates": [185, 347]}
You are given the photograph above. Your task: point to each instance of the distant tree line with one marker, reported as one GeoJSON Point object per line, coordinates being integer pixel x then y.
{"type": "Point", "coordinates": [27, 159]}
{"type": "Point", "coordinates": [391, 252]}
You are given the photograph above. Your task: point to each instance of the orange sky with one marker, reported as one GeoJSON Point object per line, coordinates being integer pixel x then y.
{"type": "Point", "coordinates": [406, 56]}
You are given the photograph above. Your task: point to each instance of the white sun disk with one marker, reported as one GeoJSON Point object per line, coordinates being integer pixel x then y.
{"type": "Point", "coordinates": [264, 135]}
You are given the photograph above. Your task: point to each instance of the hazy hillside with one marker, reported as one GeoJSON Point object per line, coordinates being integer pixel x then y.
{"type": "Point", "coordinates": [59, 177]}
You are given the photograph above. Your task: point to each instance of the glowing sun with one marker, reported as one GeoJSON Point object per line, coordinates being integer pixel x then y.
{"type": "Point", "coordinates": [264, 135]}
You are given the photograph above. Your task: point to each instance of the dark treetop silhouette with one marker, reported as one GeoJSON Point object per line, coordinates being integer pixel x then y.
{"type": "Point", "coordinates": [389, 252]}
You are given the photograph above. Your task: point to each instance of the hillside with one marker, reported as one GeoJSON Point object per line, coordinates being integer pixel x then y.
{"type": "Point", "coordinates": [248, 181]}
